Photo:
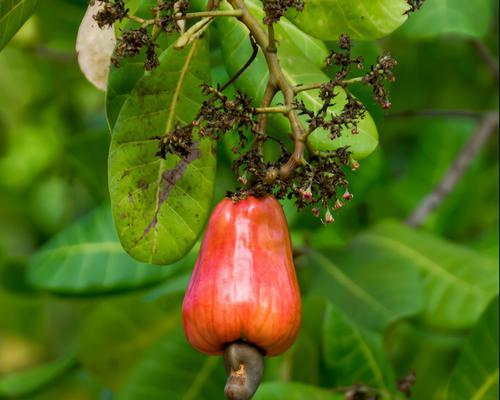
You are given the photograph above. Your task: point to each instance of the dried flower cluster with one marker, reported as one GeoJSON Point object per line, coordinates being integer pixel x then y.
{"type": "Point", "coordinates": [377, 76]}
{"type": "Point", "coordinates": [132, 41]}
{"type": "Point", "coordinates": [275, 9]}
{"type": "Point", "coordinates": [111, 11]}
{"type": "Point", "coordinates": [414, 5]}
{"type": "Point", "coordinates": [320, 182]}
{"type": "Point", "coordinates": [166, 13]}
{"type": "Point", "coordinates": [317, 179]}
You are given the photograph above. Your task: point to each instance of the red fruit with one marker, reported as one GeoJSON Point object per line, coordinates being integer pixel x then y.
{"type": "Point", "coordinates": [244, 286]}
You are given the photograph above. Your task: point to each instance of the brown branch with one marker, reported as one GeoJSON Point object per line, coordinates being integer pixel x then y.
{"type": "Point", "coordinates": [277, 80]}
{"type": "Point", "coordinates": [255, 51]}
{"type": "Point", "coordinates": [487, 125]}
{"type": "Point", "coordinates": [313, 86]}
{"type": "Point", "coordinates": [487, 57]}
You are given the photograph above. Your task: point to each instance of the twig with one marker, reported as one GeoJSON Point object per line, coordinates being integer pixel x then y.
{"type": "Point", "coordinates": [272, 110]}
{"type": "Point", "coordinates": [487, 125]}
{"type": "Point", "coordinates": [277, 80]}
{"type": "Point", "coordinates": [313, 86]}
{"type": "Point", "coordinates": [202, 14]}
{"type": "Point", "coordinates": [488, 58]}
{"type": "Point", "coordinates": [255, 50]}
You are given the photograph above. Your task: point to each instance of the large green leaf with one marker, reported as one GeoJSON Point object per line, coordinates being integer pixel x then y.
{"type": "Point", "coordinates": [160, 206]}
{"type": "Point", "coordinates": [355, 355]}
{"type": "Point", "coordinates": [458, 282]}
{"type": "Point", "coordinates": [458, 17]}
{"type": "Point", "coordinates": [27, 381]}
{"type": "Point", "coordinates": [13, 14]}
{"type": "Point", "coordinates": [87, 258]}
{"type": "Point", "coordinates": [311, 48]}
{"type": "Point", "coordinates": [361, 19]}
{"type": "Point", "coordinates": [172, 369]}
{"type": "Point", "coordinates": [430, 354]}
{"type": "Point", "coordinates": [476, 374]}
{"type": "Point", "coordinates": [294, 391]}
{"type": "Point", "coordinates": [117, 333]}
{"type": "Point", "coordinates": [298, 69]}
{"type": "Point", "coordinates": [374, 293]}
{"type": "Point", "coordinates": [122, 80]}
{"type": "Point", "coordinates": [306, 350]}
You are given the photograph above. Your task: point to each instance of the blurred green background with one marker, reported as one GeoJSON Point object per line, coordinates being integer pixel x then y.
{"type": "Point", "coordinates": [80, 320]}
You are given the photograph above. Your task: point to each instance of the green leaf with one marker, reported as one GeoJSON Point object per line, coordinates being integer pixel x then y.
{"type": "Point", "coordinates": [354, 354]}
{"type": "Point", "coordinates": [373, 293]}
{"type": "Point", "coordinates": [28, 381]}
{"type": "Point", "coordinates": [13, 14]}
{"type": "Point", "coordinates": [362, 19]}
{"type": "Point", "coordinates": [160, 206]}
{"type": "Point", "coordinates": [121, 81]}
{"type": "Point", "coordinates": [458, 17]}
{"type": "Point", "coordinates": [293, 391]}
{"type": "Point", "coordinates": [458, 282]}
{"type": "Point", "coordinates": [298, 69]}
{"type": "Point", "coordinates": [475, 376]}
{"type": "Point", "coordinates": [171, 369]}
{"type": "Point", "coordinates": [431, 354]}
{"type": "Point", "coordinates": [116, 335]}
{"type": "Point", "coordinates": [87, 258]}
{"type": "Point", "coordinates": [307, 349]}
{"type": "Point", "coordinates": [311, 48]}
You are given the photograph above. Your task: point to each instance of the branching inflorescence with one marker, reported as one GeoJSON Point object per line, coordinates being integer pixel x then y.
{"type": "Point", "coordinates": [314, 179]}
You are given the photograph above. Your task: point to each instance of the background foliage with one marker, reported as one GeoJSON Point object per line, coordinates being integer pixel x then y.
{"type": "Point", "coordinates": [80, 319]}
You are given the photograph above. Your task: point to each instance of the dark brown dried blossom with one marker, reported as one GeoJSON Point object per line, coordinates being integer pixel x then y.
{"type": "Point", "coordinates": [275, 9]}
{"type": "Point", "coordinates": [130, 44]}
{"type": "Point", "coordinates": [405, 385]}
{"type": "Point", "coordinates": [165, 14]}
{"type": "Point", "coordinates": [415, 5]}
{"type": "Point", "coordinates": [111, 11]}
{"type": "Point", "coordinates": [377, 76]}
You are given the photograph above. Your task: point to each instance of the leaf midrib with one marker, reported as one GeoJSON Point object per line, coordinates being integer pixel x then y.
{"type": "Point", "coordinates": [168, 127]}
{"type": "Point", "coordinates": [488, 382]}
{"type": "Point", "coordinates": [350, 285]}
{"type": "Point", "coordinates": [426, 263]}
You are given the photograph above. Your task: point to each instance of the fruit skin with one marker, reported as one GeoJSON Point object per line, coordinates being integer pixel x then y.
{"type": "Point", "coordinates": [244, 286]}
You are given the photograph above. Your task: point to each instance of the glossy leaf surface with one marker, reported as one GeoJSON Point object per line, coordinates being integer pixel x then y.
{"type": "Point", "coordinates": [13, 14]}
{"type": "Point", "coordinates": [372, 294]}
{"type": "Point", "coordinates": [117, 333]}
{"type": "Point", "coordinates": [457, 17]}
{"type": "Point", "coordinates": [293, 391]}
{"type": "Point", "coordinates": [87, 258]}
{"type": "Point", "coordinates": [298, 70]}
{"type": "Point", "coordinates": [25, 382]}
{"type": "Point", "coordinates": [193, 376]}
{"type": "Point", "coordinates": [362, 19]}
{"type": "Point", "coordinates": [160, 206]}
{"type": "Point", "coordinates": [476, 373]}
{"type": "Point", "coordinates": [122, 80]}
{"type": "Point", "coordinates": [458, 282]}
{"type": "Point", "coordinates": [354, 354]}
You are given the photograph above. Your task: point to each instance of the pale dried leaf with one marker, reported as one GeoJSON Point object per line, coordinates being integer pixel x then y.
{"type": "Point", "coordinates": [94, 47]}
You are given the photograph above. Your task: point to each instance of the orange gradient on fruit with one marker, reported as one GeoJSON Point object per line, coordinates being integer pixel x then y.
{"type": "Point", "coordinates": [244, 285]}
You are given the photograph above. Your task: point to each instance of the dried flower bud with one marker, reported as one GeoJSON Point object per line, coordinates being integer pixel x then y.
{"type": "Point", "coordinates": [338, 205]}
{"type": "Point", "coordinates": [354, 165]}
{"type": "Point", "coordinates": [347, 195]}
{"type": "Point", "coordinates": [306, 194]}
{"type": "Point", "coordinates": [328, 217]}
